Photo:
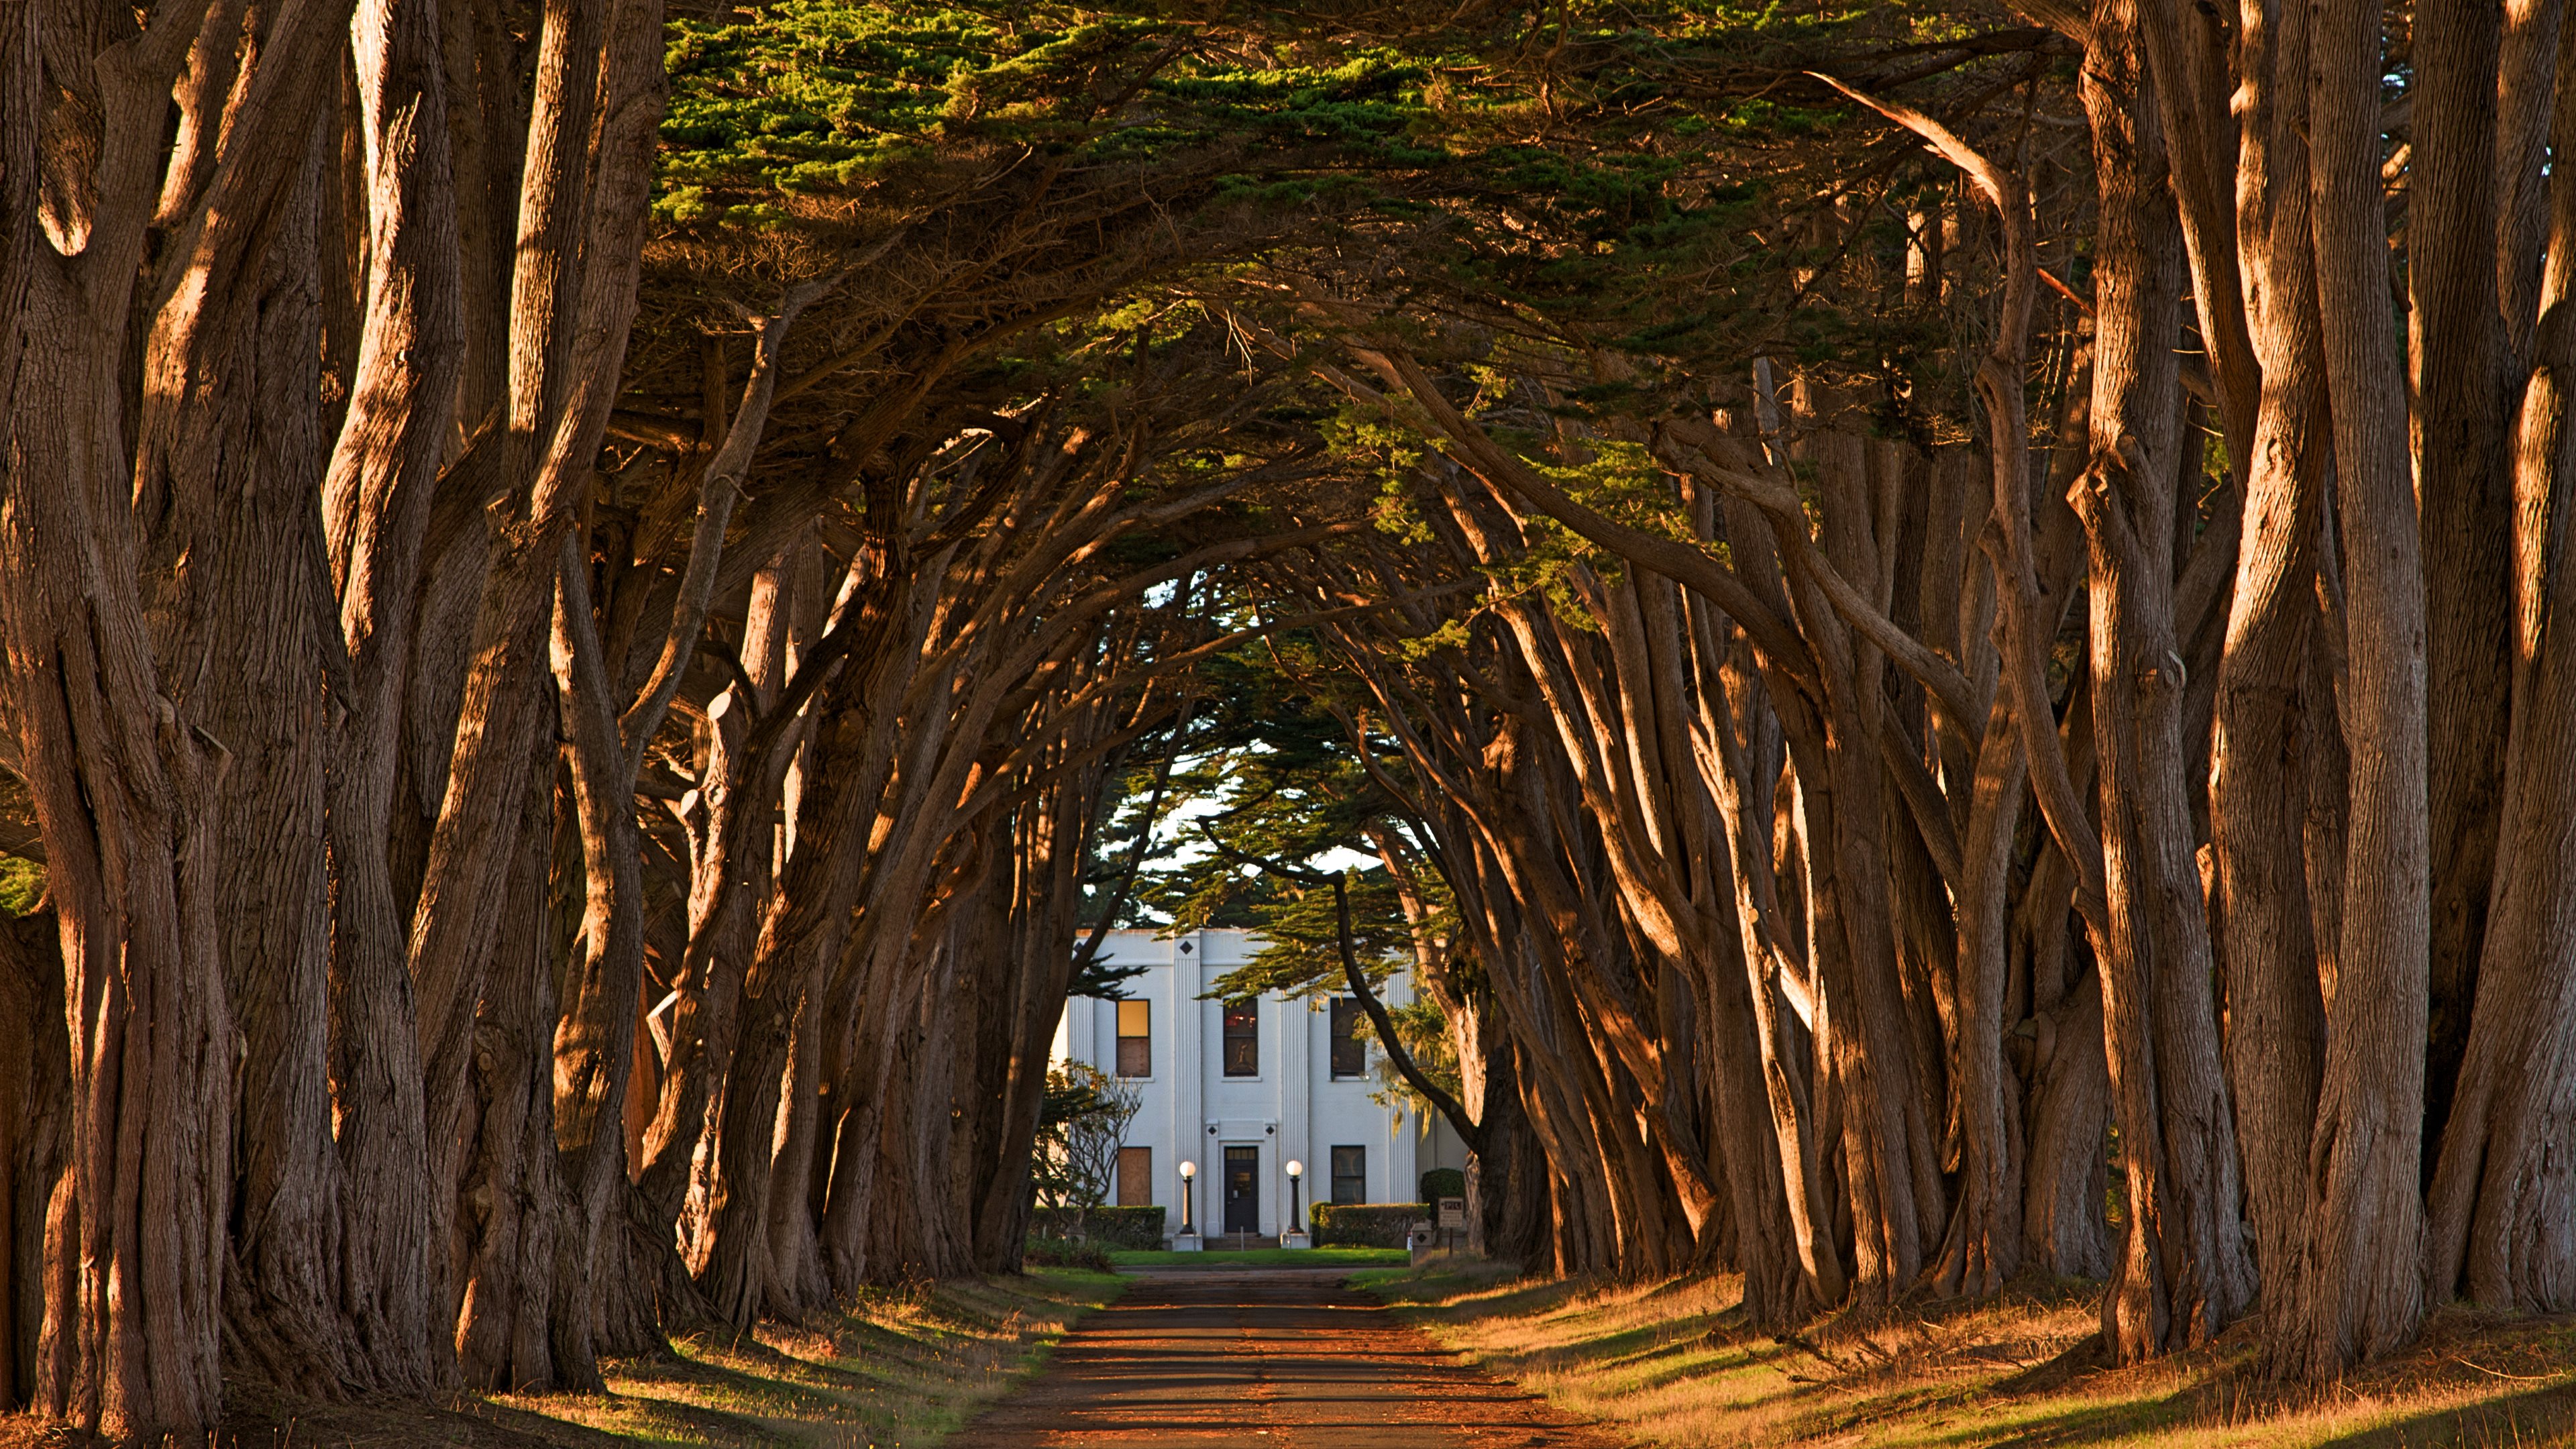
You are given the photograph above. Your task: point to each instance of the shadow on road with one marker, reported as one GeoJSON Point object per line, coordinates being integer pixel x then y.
{"type": "Point", "coordinates": [1260, 1360]}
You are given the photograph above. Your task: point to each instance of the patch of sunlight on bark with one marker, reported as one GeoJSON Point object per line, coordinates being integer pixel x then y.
{"type": "Point", "coordinates": [1671, 1363]}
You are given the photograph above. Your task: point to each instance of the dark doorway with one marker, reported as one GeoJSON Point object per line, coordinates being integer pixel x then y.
{"type": "Point", "coordinates": [1243, 1189]}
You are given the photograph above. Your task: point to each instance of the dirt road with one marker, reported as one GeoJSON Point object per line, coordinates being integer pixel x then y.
{"type": "Point", "coordinates": [1276, 1359]}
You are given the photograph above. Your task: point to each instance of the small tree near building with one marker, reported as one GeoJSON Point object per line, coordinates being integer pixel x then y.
{"type": "Point", "coordinates": [1080, 1129]}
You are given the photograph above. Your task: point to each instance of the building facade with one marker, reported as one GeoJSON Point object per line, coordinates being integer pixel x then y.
{"type": "Point", "coordinates": [1240, 1090]}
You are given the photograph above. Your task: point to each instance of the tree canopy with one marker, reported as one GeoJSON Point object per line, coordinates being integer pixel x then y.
{"type": "Point", "coordinates": [1914, 620]}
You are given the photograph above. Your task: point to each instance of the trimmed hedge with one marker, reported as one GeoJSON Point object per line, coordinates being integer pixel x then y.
{"type": "Point", "coordinates": [1365, 1224]}
{"type": "Point", "coordinates": [1057, 1253]}
{"type": "Point", "coordinates": [1109, 1227]}
{"type": "Point", "coordinates": [1442, 1182]}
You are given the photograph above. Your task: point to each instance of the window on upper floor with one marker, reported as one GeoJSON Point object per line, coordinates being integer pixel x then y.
{"type": "Point", "coordinates": [1350, 1054]}
{"type": "Point", "coordinates": [1135, 1038]}
{"type": "Point", "coordinates": [1242, 1039]}
{"type": "Point", "coordinates": [1350, 1174]}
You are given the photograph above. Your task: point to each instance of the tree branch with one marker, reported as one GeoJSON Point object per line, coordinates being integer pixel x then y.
{"type": "Point", "coordinates": [1465, 1126]}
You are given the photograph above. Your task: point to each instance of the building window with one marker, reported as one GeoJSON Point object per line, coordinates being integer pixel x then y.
{"type": "Point", "coordinates": [1350, 1174]}
{"type": "Point", "coordinates": [1135, 1177]}
{"type": "Point", "coordinates": [1135, 1038]}
{"type": "Point", "coordinates": [1242, 1039]}
{"type": "Point", "coordinates": [1350, 1054]}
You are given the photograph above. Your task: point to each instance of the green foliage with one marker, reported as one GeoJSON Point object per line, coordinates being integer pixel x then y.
{"type": "Point", "coordinates": [810, 95]}
{"type": "Point", "coordinates": [1300, 927]}
{"type": "Point", "coordinates": [1102, 978]}
{"type": "Point", "coordinates": [1104, 1227]}
{"type": "Point", "coordinates": [22, 884]}
{"type": "Point", "coordinates": [813, 96]}
{"type": "Point", "coordinates": [1219, 1258]}
{"type": "Point", "coordinates": [1424, 1030]}
{"type": "Point", "coordinates": [1082, 1121]}
{"type": "Point", "coordinates": [1042, 1252]}
{"type": "Point", "coordinates": [1366, 1225]}
{"type": "Point", "coordinates": [1442, 1182]}
{"type": "Point", "coordinates": [1619, 480]}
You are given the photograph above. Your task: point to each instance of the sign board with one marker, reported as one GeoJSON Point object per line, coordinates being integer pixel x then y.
{"type": "Point", "coordinates": [1453, 1214]}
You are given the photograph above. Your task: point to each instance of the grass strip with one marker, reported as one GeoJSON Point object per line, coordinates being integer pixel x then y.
{"type": "Point", "coordinates": [1672, 1363]}
{"type": "Point", "coordinates": [901, 1369]}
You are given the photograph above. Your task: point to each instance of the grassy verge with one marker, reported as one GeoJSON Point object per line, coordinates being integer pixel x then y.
{"type": "Point", "coordinates": [902, 1370]}
{"type": "Point", "coordinates": [1266, 1258]}
{"type": "Point", "coordinates": [1671, 1363]}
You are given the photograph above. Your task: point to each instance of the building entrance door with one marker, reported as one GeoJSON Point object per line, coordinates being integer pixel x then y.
{"type": "Point", "coordinates": [1243, 1190]}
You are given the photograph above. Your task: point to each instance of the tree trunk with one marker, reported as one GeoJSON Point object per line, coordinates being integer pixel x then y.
{"type": "Point", "coordinates": [2275, 1012]}
{"type": "Point", "coordinates": [376, 505]}
{"type": "Point", "coordinates": [2182, 1275]}
{"type": "Point", "coordinates": [2464, 490]}
{"type": "Point", "coordinates": [2502, 1215]}
{"type": "Point", "coordinates": [2360, 1289]}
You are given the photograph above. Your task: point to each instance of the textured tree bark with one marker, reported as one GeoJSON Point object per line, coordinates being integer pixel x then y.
{"type": "Point", "coordinates": [38, 1103]}
{"type": "Point", "coordinates": [2182, 1275]}
{"type": "Point", "coordinates": [2263, 713]}
{"type": "Point", "coordinates": [594, 1036]}
{"type": "Point", "coordinates": [240, 465]}
{"type": "Point", "coordinates": [2066, 1174]}
{"type": "Point", "coordinates": [2360, 1292]}
{"type": "Point", "coordinates": [117, 744]}
{"type": "Point", "coordinates": [1796, 1136]}
{"type": "Point", "coordinates": [376, 507]}
{"type": "Point", "coordinates": [2186, 48]}
{"type": "Point", "coordinates": [1041, 883]}
{"type": "Point", "coordinates": [2501, 1219]}
{"type": "Point", "coordinates": [808, 921]}
{"type": "Point", "coordinates": [1690, 703]}
{"type": "Point", "coordinates": [125, 794]}
{"type": "Point", "coordinates": [2529, 64]}
{"type": "Point", "coordinates": [1890, 1170]}
{"type": "Point", "coordinates": [594, 1044]}
{"type": "Point", "coordinates": [1986, 1240]}
{"type": "Point", "coordinates": [2464, 486]}
{"type": "Point", "coordinates": [1507, 1182]}
{"type": "Point", "coordinates": [751, 737]}
{"type": "Point", "coordinates": [598, 99]}
{"type": "Point", "coordinates": [1512, 1181]}
{"type": "Point", "coordinates": [511, 1212]}
{"type": "Point", "coordinates": [1586, 722]}
{"type": "Point", "coordinates": [1583, 1231]}
{"type": "Point", "coordinates": [1986, 1234]}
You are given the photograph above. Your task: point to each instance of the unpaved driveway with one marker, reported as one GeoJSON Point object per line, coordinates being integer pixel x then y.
{"type": "Point", "coordinates": [1263, 1359]}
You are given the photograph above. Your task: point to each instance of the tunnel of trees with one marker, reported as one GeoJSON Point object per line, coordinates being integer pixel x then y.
{"type": "Point", "coordinates": [1940, 621]}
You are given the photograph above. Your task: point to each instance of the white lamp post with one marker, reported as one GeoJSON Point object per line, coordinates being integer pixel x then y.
{"type": "Point", "coordinates": [1188, 1240]}
{"type": "Point", "coordinates": [1296, 1237]}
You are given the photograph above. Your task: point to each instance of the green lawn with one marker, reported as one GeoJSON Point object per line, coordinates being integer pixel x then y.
{"type": "Point", "coordinates": [1267, 1258]}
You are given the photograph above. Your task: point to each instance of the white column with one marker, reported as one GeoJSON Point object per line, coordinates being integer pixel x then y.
{"type": "Point", "coordinates": [1182, 1009]}
{"type": "Point", "coordinates": [1294, 1098]}
{"type": "Point", "coordinates": [1081, 1036]}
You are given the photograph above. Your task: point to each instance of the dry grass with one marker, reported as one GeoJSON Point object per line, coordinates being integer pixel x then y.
{"type": "Point", "coordinates": [1670, 1363]}
{"type": "Point", "coordinates": [902, 1370]}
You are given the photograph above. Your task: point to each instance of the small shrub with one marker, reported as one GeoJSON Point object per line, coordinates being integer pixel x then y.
{"type": "Point", "coordinates": [1111, 1227]}
{"type": "Point", "coordinates": [1442, 1182]}
{"type": "Point", "coordinates": [1062, 1253]}
{"type": "Point", "coordinates": [1366, 1224]}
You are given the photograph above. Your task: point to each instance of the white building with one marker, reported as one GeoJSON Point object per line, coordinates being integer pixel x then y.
{"type": "Point", "coordinates": [1242, 1090]}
